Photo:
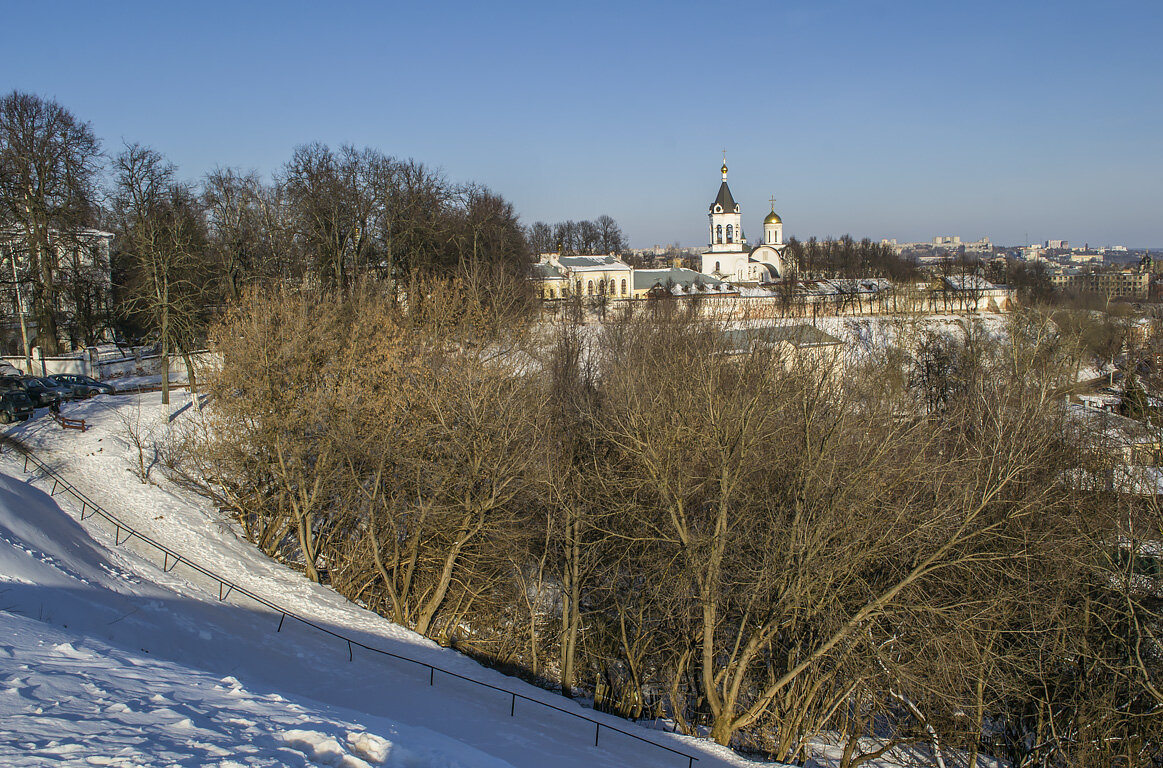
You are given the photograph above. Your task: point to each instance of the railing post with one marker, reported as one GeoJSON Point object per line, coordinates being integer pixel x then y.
{"type": "Point", "coordinates": [597, 731]}
{"type": "Point", "coordinates": [281, 620]}
{"type": "Point", "coordinates": [513, 706]}
{"type": "Point", "coordinates": [431, 675]}
{"type": "Point", "coordinates": [350, 655]}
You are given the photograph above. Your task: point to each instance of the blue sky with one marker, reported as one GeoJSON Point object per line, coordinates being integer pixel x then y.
{"type": "Point", "coordinates": [879, 119]}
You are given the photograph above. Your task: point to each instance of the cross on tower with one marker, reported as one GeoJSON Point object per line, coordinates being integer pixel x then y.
{"type": "Point", "coordinates": [773, 202]}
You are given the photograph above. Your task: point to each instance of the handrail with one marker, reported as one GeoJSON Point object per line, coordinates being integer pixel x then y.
{"type": "Point", "coordinates": [225, 587]}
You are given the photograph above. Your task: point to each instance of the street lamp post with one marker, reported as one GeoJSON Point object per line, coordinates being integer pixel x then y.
{"type": "Point", "coordinates": [20, 313]}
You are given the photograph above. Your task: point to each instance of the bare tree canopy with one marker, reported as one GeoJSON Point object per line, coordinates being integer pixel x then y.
{"type": "Point", "coordinates": [603, 235]}
{"type": "Point", "coordinates": [49, 163]}
{"type": "Point", "coordinates": [765, 546]}
{"type": "Point", "coordinates": [161, 252]}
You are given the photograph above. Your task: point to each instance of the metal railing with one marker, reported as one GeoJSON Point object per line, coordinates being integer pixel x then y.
{"type": "Point", "coordinates": [123, 533]}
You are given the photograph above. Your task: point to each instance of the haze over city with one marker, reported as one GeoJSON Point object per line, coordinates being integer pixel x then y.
{"type": "Point", "coordinates": [899, 120]}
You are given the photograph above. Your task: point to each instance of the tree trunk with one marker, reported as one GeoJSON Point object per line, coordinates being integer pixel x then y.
{"type": "Point", "coordinates": [165, 348]}
{"type": "Point", "coordinates": [570, 609]}
{"type": "Point", "coordinates": [45, 301]}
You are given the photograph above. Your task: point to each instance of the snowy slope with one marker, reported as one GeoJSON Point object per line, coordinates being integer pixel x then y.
{"type": "Point", "coordinates": [106, 659]}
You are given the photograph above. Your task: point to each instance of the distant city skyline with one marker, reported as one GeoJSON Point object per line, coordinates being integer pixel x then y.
{"type": "Point", "coordinates": [906, 120]}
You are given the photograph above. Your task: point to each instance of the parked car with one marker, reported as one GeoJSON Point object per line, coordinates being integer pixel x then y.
{"type": "Point", "coordinates": [15, 405]}
{"type": "Point", "coordinates": [82, 386]}
{"type": "Point", "coordinates": [44, 392]}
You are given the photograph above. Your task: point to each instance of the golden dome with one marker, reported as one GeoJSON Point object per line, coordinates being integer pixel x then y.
{"type": "Point", "coordinates": [723, 170]}
{"type": "Point", "coordinates": [773, 218]}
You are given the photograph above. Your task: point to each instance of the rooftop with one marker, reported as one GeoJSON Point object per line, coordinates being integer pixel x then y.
{"type": "Point", "coordinates": [645, 279]}
{"type": "Point", "coordinates": [592, 263]}
{"type": "Point", "coordinates": [799, 336]}
{"type": "Point", "coordinates": [725, 200]}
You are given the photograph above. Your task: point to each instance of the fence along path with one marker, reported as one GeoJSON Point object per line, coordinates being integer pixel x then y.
{"type": "Point", "coordinates": [123, 533]}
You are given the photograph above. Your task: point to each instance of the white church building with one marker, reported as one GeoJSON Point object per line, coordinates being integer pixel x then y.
{"type": "Point", "coordinates": [730, 258]}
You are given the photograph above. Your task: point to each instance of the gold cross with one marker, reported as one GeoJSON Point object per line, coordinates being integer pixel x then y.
{"type": "Point", "coordinates": [773, 203]}
{"type": "Point", "coordinates": [724, 157]}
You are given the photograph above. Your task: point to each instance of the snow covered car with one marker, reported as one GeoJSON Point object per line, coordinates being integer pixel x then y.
{"type": "Point", "coordinates": [82, 386]}
{"type": "Point", "coordinates": [15, 405]}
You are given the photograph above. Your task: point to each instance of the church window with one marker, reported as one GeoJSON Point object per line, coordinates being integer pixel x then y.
{"type": "Point", "coordinates": [589, 287]}
{"type": "Point", "coordinates": [579, 287]}
{"type": "Point", "coordinates": [716, 266]}
{"type": "Point", "coordinates": [719, 234]}
{"type": "Point", "coordinates": [730, 238]}
{"type": "Point", "coordinates": [623, 286]}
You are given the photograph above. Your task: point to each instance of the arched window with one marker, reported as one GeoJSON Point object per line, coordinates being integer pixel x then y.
{"type": "Point", "coordinates": [719, 234]}
{"type": "Point", "coordinates": [623, 286]}
{"type": "Point", "coordinates": [730, 237]}
{"type": "Point", "coordinates": [553, 293]}
{"type": "Point", "coordinates": [716, 266]}
{"type": "Point", "coordinates": [771, 236]}
{"type": "Point", "coordinates": [589, 287]}
{"type": "Point", "coordinates": [579, 287]}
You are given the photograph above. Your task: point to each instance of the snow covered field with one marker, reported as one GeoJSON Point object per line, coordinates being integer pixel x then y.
{"type": "Point", "coordinates": [107, 660]}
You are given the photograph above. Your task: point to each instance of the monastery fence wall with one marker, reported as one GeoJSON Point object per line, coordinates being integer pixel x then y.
{"type": "Point", "coordinates": [89, 362]}
{"type": "Point", "coordinates": [737, 307]}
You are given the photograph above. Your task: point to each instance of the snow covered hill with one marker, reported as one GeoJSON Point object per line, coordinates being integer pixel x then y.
{"type": "Point", "coordinates": [105, 659]}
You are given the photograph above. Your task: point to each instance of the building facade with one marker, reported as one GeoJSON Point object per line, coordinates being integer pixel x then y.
{"type": "Point", "coordinates": [83, 292]}
{"type": "Point", "coordinates": [560, 277]}
{"type": "Point", "coordinates": [1116, 284]}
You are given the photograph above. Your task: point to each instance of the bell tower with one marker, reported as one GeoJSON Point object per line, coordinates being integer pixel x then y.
{"type": "Point", "coordinates": [726, 222]}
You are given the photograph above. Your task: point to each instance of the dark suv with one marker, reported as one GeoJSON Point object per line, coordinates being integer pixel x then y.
{"type": "Point", "coordinates": [45, 392]}
{"type": "Point", "coordinates": [82, 386]}
{"type": "Point", "coordinates": [15, 406]}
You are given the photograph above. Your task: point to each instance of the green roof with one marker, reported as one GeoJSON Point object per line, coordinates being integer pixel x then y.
{"type": "Point", "coordinates": [546, 271]}
{"type": "Point", "coordinates": [645, 279]}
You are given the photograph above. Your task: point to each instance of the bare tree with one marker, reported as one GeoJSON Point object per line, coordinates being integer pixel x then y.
{"type": "Point", "coordinates": [49, 162]}
{"type": "Point", "coordinates": [235, 209]}
{"type": "Point", "coordinates": [330, 202]}
{"type": "Point", "coordinates": [610, 237]}
{"type": "Point", "coordinates": [162, 248]}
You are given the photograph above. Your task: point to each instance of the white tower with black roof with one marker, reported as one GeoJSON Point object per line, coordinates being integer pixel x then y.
{"type": "Point", "coordinates": [726, 221]}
